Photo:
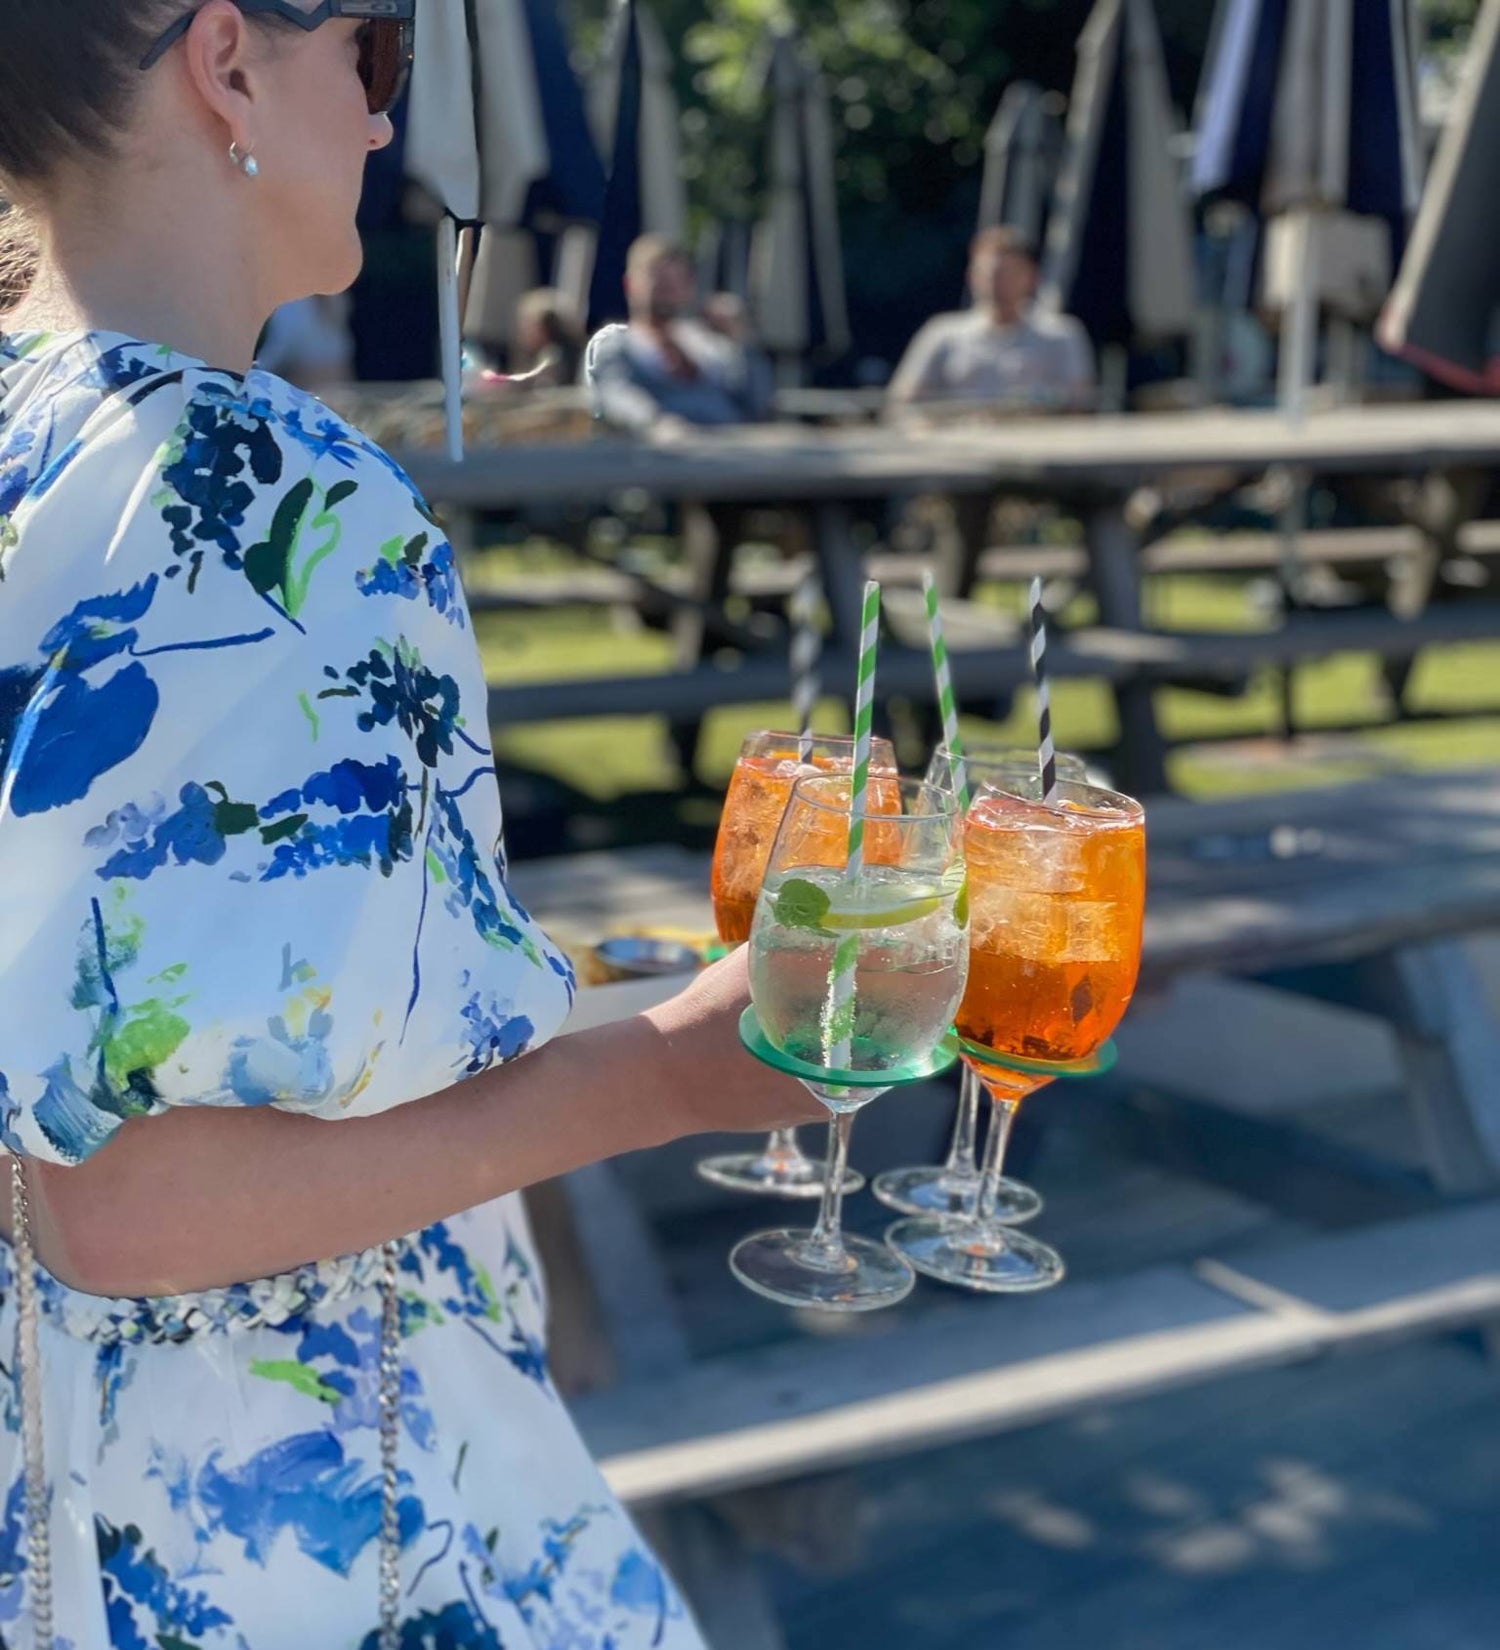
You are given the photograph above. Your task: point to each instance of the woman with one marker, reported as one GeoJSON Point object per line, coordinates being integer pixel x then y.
{"type": "Point", "coordinates": [251, 884]}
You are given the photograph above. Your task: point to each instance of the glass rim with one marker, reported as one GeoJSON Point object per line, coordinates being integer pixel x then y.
{"type": "Point", "coordinates": [1002, 756]}
{"type": "Point", "coordinates": [802, 789]}
{"type": "Point", "coordinates": [1096, 802]}
{"type": "Point", "coordinates": [813, 738]}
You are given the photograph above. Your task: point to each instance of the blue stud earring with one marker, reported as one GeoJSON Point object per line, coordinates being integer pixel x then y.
{"type": "Point", "coordinates": [248, 164]}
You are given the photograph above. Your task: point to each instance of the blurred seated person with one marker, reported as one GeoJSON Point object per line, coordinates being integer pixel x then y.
{"type": "Point", "coordinates": [308, 342]}
{"type": "Point", "coordinates": [669, 368]}
{"type": "Point", "coordinates": [549, 338]}
{"type": "Point", "coordinates": [1005, 349]}
{"type": "Point", "coordinates": [547, 352]}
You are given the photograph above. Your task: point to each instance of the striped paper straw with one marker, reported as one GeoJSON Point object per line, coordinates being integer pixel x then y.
{"type": "Point", "coordinates": [947, 704]}
{"type": "Point", "coordinates": [1046, 751]}
{"type": "Point", "coordinates": [807, 649]}
{"type": "Point", "coordinates": [839, 1023]}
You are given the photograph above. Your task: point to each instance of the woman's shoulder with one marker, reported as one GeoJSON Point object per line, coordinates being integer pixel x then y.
{"type": "Point", "coordinates": [257, 425]}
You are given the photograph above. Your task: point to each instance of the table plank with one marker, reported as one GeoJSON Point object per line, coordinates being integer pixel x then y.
{"type": "Point", "coordinates": [1057, 456]}
{"type": "Point", "coordinates": [1373, 866]}
{"type": "Point", "coordinates": [951, 1374]}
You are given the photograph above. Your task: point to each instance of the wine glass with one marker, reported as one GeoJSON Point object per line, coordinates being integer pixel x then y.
{"type": "Point", "coordinates": [768, 765]}
{"type": "Point", "coordinates": [1057, 898]}
{"type": "Point", "coordinates": [857, 963]}
{"type": "Point", "coordinates": [952, 1188]}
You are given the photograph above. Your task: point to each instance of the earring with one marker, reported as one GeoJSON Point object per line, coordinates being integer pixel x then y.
{"type": "Point", "coordinates": [248, 164]}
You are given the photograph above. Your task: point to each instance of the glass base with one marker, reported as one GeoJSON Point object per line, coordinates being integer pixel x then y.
{"type": "Point", "coordinates": [784, 1268]}
{"type": "Point", "coordinates": [934, 1191]}
{"type": "Point", "coordinates": [997, 1260]}
{"type": "Point", "coordinates": [772, 1174]}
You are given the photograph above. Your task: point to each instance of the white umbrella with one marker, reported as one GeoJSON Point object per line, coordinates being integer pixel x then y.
{"type": "Point", "coordinates": [1308, 116]}
{"type": "Point", "coordinates": [486, 87]}
{"type": "Point", "coordinates": [797, 260]}
{"type": "Point", "coordinates": [1119, 244]}
{"type": "Point", "coordinates": [637, 128]}
{"type": "Point", "coordinates": [1022, 151]}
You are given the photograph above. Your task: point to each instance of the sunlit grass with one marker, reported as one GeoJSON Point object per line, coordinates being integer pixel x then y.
{"type": "Point", "coordinates": [610, 757]}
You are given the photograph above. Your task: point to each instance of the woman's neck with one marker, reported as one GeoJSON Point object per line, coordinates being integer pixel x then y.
{"type": "Point", "coordinates": [191, 284]}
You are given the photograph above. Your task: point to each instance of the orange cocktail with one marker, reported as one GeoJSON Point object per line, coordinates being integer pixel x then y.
{"type": "Point", "coordinates": [759, 790]}
{"type": "Point", "coordinates": [1057, 897]}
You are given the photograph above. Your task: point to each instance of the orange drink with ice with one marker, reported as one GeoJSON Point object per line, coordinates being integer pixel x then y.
{"type": "Point", "coordinates": [1056, 901]}
{"type": "Point", "coordinates": [761, 786]}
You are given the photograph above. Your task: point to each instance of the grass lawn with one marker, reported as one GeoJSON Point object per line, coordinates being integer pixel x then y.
{"type": "Point", "coordinates": [611, 760]}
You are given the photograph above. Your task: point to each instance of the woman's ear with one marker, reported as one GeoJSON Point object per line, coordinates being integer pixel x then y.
{"type": "Point", "coordinates": [221, 62]}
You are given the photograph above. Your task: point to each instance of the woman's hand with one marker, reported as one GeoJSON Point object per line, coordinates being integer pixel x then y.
{"type": "Point", "coordinates": [708, 1080]}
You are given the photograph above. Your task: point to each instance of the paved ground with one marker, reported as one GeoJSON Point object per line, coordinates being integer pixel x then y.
{"type": "Point", "coordinates": [1343, 1505]}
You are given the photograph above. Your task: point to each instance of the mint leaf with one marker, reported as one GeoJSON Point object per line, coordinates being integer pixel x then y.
{"type": "Point", "coordinates": [801, 904]}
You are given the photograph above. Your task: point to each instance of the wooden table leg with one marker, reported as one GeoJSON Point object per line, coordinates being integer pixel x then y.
{"type": "Point", "coordinates": [1114, 571]}
{"type": "Point", "coordinates": [710, 534]}
{"type": "Point", "coordinates": [960, 549]}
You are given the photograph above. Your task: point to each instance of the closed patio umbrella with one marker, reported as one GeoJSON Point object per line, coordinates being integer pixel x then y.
{"type": "Point", "coordinates": [636, 122]}
{"type": "Point", "coordinates": [1119, 245]}
{"type": "Point", "coordinates": [1022, 151]}
{"type": "Point", "coordinates": [1444, 309]}
{"type": "Point", "coordinates": [797, 261]}
{"type": "Point", "coordinates": [1308, 112]}
{"type": "Point", "coordinates": [496, 135]}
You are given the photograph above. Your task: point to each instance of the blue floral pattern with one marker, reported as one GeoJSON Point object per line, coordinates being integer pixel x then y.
{"type": "Point", "coordinates": [245, 775]}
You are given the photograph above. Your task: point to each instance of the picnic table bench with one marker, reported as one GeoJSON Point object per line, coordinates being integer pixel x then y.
{"type": "Point", "coordinates": [1364, 895]}
{"type": "Point", "coordinates": [1093, 466]}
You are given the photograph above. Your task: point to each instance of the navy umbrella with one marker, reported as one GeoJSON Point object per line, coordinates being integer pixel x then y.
{"type": "Point", "coordinates": [1119, 243]}
{"type": "Point", "coordinates": [1022, 151]}
{"type": "Point", "coordinates": [1308, 116]}
{"type": "Point", "coordinates": [637, 118]}
{"type": "Point", "coordinates": [1444, 309]}
{"type": "Point", "coordinates": [797, 261]}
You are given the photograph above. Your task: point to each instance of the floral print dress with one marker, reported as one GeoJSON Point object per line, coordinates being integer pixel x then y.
{"type": "Point", "coordinates": [250, 855]}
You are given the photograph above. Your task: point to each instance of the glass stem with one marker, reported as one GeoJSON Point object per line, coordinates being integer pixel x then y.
{"type": "Point", "coordinates": [782, 1146]}
{"type": "Point", "coordinates": [827, 1239]}
{"type": "Point", "coordinates": [994, 1159]}
{"type": "Point", "coordinates": [962, 1163]}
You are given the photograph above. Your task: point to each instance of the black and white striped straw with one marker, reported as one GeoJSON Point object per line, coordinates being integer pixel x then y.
{"type": "Point", "coordinates": [807, 653]}
{"type": "Point", "coordinates": [1046, 751]}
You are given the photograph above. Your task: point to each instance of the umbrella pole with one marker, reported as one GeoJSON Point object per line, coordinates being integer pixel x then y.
{"type": "Point", "coordinates": [450, 331]}
{"type": "Point", "coordinates": [1296, 371]}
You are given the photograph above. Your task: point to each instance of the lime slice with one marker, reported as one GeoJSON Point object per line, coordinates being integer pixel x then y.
{"type": "Point", "coordinates": [883, 916]}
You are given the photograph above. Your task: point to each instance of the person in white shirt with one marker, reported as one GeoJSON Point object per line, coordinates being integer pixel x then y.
{"type": "Point", "coordinates": [1006, 349]}
{"type": "Point", "coordinates": [667, 367]}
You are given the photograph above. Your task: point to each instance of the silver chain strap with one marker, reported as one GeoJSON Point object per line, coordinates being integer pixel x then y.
{"type": "Point", "coordinates": [390, 1446]}
{"type": "Point", "coordinates": [29, 1363]}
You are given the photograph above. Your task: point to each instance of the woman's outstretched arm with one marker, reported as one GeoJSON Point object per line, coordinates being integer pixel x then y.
{"type": "Point", "coordinates": [195, 1199]}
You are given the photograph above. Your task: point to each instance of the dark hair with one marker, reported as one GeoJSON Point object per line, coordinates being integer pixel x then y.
{"type": "Point", "coordinates": [68, 77]}
{"type": "Point", "coordinates": [1004, 238]}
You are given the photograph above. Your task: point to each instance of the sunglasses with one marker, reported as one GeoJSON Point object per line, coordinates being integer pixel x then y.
{"type": "Point", "coordinates": [386, 41]}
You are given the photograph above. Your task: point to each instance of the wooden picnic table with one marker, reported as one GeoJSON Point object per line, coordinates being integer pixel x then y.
{"type": "Point", "coordinates": [1092, 466]}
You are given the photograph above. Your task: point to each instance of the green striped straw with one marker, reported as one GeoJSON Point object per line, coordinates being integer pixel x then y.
{"type": "Point", "coordinates": [947, 704]}
{"type": "Point", "coordinates": [839, 1018]}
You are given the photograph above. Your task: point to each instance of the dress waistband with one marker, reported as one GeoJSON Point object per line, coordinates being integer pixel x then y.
{"type": "Point", "coordinates": [172, 1319]}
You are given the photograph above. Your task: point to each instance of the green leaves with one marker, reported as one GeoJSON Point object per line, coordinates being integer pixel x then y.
{"type": "Point", "coordinates": [801, 904]}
